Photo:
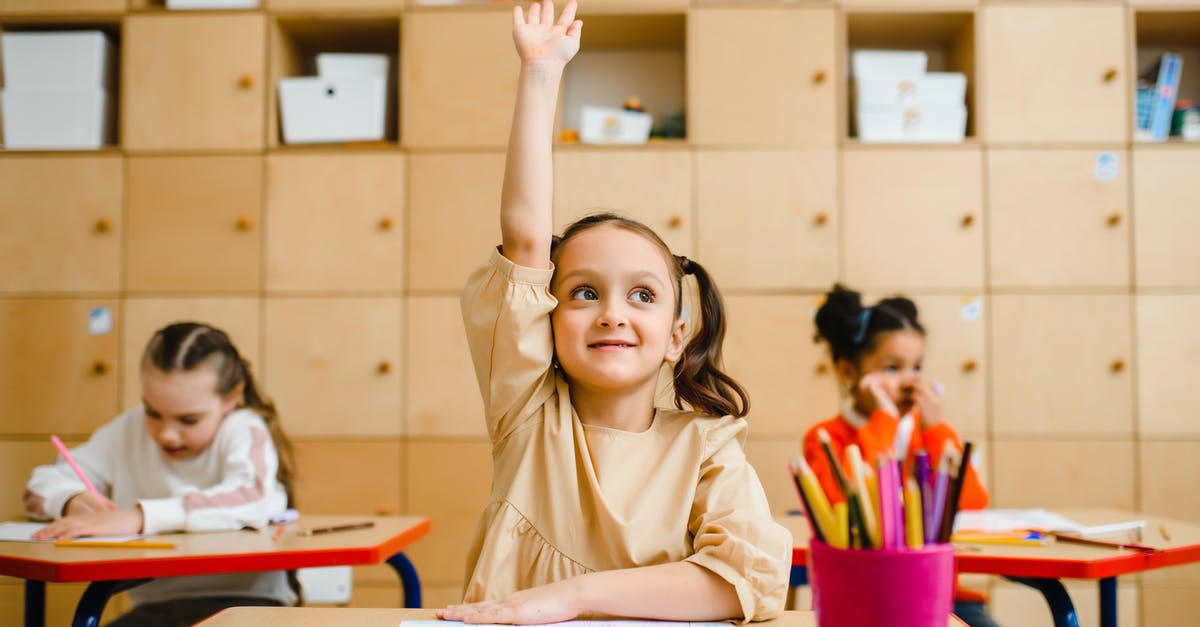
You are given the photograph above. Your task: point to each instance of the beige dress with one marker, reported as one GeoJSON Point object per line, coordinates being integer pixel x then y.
{"type": "Point", "coordinates": [569, 499]}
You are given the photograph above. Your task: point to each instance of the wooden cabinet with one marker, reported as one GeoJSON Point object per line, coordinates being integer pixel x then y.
{"type": "Point", "coordinates": [769, 349]}
{"type": "Point", "coordinates": [956, 356]}
{"type": "Point", "coordinates": [59, 373]}
{"type": "Point", "coordinates": [336, 222]}
{"type": "Point", "coordinates": [651, 186]}
{"type": "Point", "coordinates": [1058, 218]}
{"type": "Point", "coordinates": [349, 477]}
{"type": "Point", "coordinates": [193, 82]}
{"type": "Point", "coordinates": [57, 237]}
{"type": "Point", "coordinates": [453, 226]}
{"type": "Point", "coordinates": [290, 5]}
{"type": "Point", "coordinates": [238, 317]}
{"type": "Point", "coordinates": [456, 478]}
{"type": "Point", "coordinates": [443, 396]}
{"type": "Point", "coordinates": [1165, 218]}
{"type": "Point", "coordinates": [1054, 73]}
{"type": "Point", "coordinates": [912, 218]}
{"type": "Point", "coordinates": [44, 7]}
{"type": "Point", "coordinates": [1062, 364]}
{"type": "Point", "coordinates": [768, 219]}
{"type": "Point", "coordinates": [334, 364]}
{"type": "Point", "coordinates": [762, 75]}
{"type": "Point", "coordinates": [1036, 472]}
{"type": "Point", "coordinates": [194, 224]}
{"type": "Point", "coordinates": [465, 98]}
{"type": "Point", "coordinates": [1168, 341]}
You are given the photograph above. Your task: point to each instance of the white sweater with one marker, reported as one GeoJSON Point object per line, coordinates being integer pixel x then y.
{"type": "Point", "coordinates": [231, 485]}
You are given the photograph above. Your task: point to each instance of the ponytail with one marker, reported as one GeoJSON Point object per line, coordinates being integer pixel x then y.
{"type": "Point", "coordinates": [699, 379]}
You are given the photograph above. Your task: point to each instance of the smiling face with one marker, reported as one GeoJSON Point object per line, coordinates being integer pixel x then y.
{"type": "Point", "coordinates": [615, 321]}
{"type": "Point", "coordinates": [183, 409]}
{"type": "Point", "coordinates": [897, 355]}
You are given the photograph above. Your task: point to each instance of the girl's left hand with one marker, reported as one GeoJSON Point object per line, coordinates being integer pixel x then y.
{"type": "Point", "coordinates": [928, 398]}
{"type": "Point", "coordinates": [120, 522]}
{"type": "Point", "coordinates": [551, 603]}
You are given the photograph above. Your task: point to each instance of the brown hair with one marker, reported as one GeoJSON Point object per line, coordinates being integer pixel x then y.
{"type": "Point", "coordinates": [698, 377]}
{"type": "Point", "coordinates": [185, 346]}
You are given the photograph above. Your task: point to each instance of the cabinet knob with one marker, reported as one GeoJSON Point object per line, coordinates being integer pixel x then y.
{"type": "Point", "coordinates": [100, 367]}
{"type": "Point", "coordinates": [968, 220]}
{"type": "Point", "coordinates": [244, 224]}
{"type": "Point", "coordinates": [821, 219]}
{"type": "Point", "coordinates": [1114, 219]}
{"type": "Point", "coordinates": [1110, 75]}
{"type": "Point", "coordinates": [819, 77]}
{"type": "Point", "coordinates": [675, 221]}
{"type": "Point", "coordinates": [384, 510]}
{"type": "Point", "coordinates": [822, 368]}
{"type": "Point", "coordinates": [385, 224]}
{"type": "Point", "coordinates": [970, 365]}
{"type": "Point", "coordinates": [103, 225]}
{"type": "Point", "coordinates": [1117, 365]}
{"type": "Point", "coordinates": [384, 367]}
{"type": "Point", "coordinates": [245, 81]}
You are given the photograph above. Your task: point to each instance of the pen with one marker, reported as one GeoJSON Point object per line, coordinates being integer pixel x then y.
{"type": "Point", "coordinates": [106, 544]}
{"type": "Point", "coordinates": [62, 449]}
{"type": "Point", "coordinates": [332, 528]}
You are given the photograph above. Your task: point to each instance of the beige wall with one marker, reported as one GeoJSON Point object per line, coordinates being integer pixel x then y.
{"type": "Point", "coordinates": [1061, 308]}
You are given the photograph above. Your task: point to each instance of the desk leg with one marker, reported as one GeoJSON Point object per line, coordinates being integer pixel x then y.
{"type": "Point", "coordinates": [408, 579]}
{"type": "Point", "coordinates": [1108, 602]}
{"type": "Point", "coordinates": [1057, 598]}
{"type": "Point", "coordinates": [35, 603]}
{"type": "Point", "coordinates": [91, 604]}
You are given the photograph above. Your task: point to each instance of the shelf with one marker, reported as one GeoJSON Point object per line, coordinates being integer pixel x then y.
{"type": "Point", "coordinates": [1156, 32]}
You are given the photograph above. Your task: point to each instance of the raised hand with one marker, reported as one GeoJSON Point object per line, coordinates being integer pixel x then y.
{"type": "Point", "coordinates": [541, 38]}
{"type": "Point", "coordinates": [551, 603]}
{"type": "Point", "coordinates": [120, 522]}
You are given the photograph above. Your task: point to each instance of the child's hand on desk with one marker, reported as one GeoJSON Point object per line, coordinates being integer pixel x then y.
{"type": "Point", "coordinates": [86, 502]}
{"type": "Point", "coordinates": [550, 603]}
{"type": "Point", "coordinates": [120, 522]}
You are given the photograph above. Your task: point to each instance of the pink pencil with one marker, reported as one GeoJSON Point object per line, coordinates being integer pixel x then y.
{"type": "Point", "coordinates": [58, 444]}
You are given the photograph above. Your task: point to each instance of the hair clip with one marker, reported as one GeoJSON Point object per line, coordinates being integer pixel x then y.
{"type": "Point", "coordinates": [864, 320]}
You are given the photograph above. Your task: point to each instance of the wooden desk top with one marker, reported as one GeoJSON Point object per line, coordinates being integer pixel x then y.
{"type": "Point", "coordinates": [1059, 559]}
{"type": "Point", "coordinates": [223, 552]}
{"type": "Point", "coordinates": [373, 617]}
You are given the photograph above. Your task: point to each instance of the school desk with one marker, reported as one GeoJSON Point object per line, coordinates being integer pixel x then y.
{"type": "Point", "coordinates": [112, 570]}
{"type": "Point", "coordinates": [1042, 567]}
{"type": "Point", "coordinates": [372, 617]}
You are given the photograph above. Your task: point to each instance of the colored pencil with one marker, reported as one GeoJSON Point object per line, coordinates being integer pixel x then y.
{"type": "Point", "coordinates": [954, 493]}
{"type": "Point", "coordinates": [794, 470]}
{"type": "Point", "coordinates": [62, 449]}
{"type": "Point", "coordinates": [914, 530]}
{"type": "Point", "coordinates": [108, 544]}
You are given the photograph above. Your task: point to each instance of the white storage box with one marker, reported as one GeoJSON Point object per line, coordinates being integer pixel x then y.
{"type": "Point", "coordinates": [58, 59]}
{"type": "Point", "coordinates": [212, 4]}
{"type": "Point", "coordinates": [57, 118]}
{"type": "Point", "coordinates": [318, 109]}
{"type": "Point", "coordinates": [349, 65]}
{"type": "Point", "coordinates": [934, 89]}
{"type": "Point", "coordinates": [912, 124]}
{"type": "Point", "coordinates": [604, 125]}
{"type": "Point", "coordinates": [888, 63]}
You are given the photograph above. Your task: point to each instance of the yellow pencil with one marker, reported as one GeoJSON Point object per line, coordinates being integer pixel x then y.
{"type": "Point", "coordinates": [822, 513]}
{"type": "Point", "coordinates": [858, 474]}
{"type": "Point", "coordinates": [982, 538]}
{"type": "Point", "coordinates": [108, 544]}
{"type": "Point", "coordinates": [841, 517]}
{"type": "Point", "coordinates": [914, 528]}
{"type": "Point", "coordinates": [873, 490]}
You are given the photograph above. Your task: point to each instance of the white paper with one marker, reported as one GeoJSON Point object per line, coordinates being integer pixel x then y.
{"type": "Point", "coordinates": [997, 520]}
{"type": "Point", "coordinates": [572, 623]}
{"type": "Point", "coordinates": [23, 532]}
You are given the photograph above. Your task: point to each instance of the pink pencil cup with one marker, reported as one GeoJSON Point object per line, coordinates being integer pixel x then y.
{"type": "Point", "coordinates": [895, 587]}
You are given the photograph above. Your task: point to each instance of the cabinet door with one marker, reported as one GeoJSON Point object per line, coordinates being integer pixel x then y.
{"type": "Point", "coordinates": [1061, 364]}
{"type": "Point", "coordinates": [63, 237]}
{"type": "Point", "coordinates": [17, 7]}
{"type": "Point", "coordinates": [443, 395]}
{"type": "Point", "coordinates": [333, 365]}
{"type": "Point", "coordinates": [459, 78]}
{"type": "Point", "coordinates": [1064, 474]}
{"type": "Point", "coordinates": [768, 219]}
{"type": "Point", "coordinates": [1054, 73]}
{"type": "Point", "coordinates": [453, 226]}
{"type": "Point", "coordinates": [1166, 220]}
{"type": "Point", "coordinates": [912, 218]}
{"type": "Point", "coordinates": [1058, 218]}
{"type": "Point", "coordinates": [58, 374]}
{"type": "Point", "coordinates": [1168, 343]}
{"type": "Point", "coordinates": [759, 75]}
{"type": "Point", "coordinates": [651, 186]}
{"type": "Point", "coordinates": [194, 224]}
{"type": "Point", "coordinates": [328, 477]}
{"type": "Point", "coordinates": [336, 222]}
{"type": "Point", "coordinates": [193, 82]}
{"type": "Point", "coordinates": [769, 349]}
{"type": "Point", "coordinates": [238, 317]}
{"type": "Point", "coordinates": [449, 481]}
{"type": "Point", "coordinates": [956, 355]}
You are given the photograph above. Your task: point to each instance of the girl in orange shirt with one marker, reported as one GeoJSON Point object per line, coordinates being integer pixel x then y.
{"type": "Point", "coordinates": [890, 406]}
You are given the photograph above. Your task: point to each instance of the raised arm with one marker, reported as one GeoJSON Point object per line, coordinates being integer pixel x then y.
{"type": "Point", "coordinates": [544, 46]}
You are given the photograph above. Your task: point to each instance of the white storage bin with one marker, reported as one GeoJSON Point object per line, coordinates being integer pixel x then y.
{"type": "Point", "coordinates": [318, 109]}
{"type": "Point", "coordinates": [888, 63]}
{"type": "Point", "coordinates": [57, 118]}
{"type": "Point", "coordinates": [348, 65]}
{"type": "Point", "coordinates": [912, 124]}
{"type": "Point", "coordinates": [212, 4]}
{"type": "Point", "coordinates": [604, 125]}
{"type": "Point", "coordinates": [58, 59]}
{"type": "Point", "coordinates": [934, 89]}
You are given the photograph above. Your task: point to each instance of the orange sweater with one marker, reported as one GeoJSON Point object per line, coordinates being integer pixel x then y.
{"type": "Point", "coordinates": [875, 438]}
